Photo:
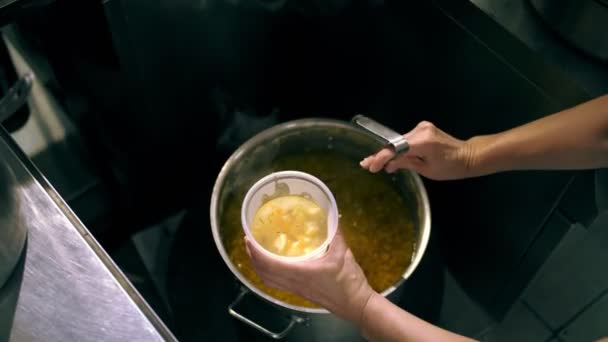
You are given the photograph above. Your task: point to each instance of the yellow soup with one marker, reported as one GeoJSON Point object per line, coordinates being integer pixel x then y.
{"type": "Point", "coordinates": [290, 226]}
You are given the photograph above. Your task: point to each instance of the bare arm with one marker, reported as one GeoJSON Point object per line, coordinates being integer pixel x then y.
{"type": "Point", "coordinates": [576, 138]}
{"type": "Point", "coordinates": [337, 283]}
{"type": "Point", "coordinates": [384, 321]}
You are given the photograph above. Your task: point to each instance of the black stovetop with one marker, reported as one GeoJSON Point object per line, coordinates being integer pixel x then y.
{"type": "Point", "coordinates": [403, 62]}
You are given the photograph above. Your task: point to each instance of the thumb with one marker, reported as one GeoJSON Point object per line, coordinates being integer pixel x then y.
{"type": "Point", "coordinates": [262, 262]}
{"type": "Point", "coordinates": [253, 252]}
{"type": "Point", "coordinates": [338, 244]}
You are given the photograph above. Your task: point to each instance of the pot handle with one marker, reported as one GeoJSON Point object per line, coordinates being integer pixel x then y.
{"type": "Point", "coordinates": [275, 335]}
{"type": "Point", "coordinates": [393, 139]}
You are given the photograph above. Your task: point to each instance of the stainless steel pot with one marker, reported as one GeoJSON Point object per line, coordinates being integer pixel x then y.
{"type": "Point", "coordinates": [12, 230]}
{"type": "Point", "coordinates": [242, 170]}
{"type": "Point", "coordinates": [583, 23]}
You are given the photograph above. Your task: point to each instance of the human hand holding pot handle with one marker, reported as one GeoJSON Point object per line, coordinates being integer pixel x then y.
{"type": "Point", "coordinates": [432, 153]}
{"type": "Point", "coordinates": [573, 139]}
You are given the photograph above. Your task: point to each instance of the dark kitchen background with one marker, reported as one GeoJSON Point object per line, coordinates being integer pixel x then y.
{"type": "Point", "coordinates": [137, 104]}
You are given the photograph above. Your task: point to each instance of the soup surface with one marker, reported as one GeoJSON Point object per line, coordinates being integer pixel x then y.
{"type": "Point", "coordinates": [290, 226]}
{"type": "Point", "coordinates": [375, 221]}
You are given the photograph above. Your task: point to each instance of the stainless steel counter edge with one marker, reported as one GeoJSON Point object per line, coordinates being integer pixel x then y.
{"type": "Point", "coordinates": [70, 288]}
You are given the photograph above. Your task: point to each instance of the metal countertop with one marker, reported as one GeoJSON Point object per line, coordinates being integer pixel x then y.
{"type": "Point", "coordinates": [66, 287]}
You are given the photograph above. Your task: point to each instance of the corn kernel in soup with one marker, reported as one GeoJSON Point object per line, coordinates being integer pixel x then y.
{"type": "Point", "coordinates": [290, 226]}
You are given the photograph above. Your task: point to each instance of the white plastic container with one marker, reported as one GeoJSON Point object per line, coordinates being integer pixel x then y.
{"type": "Point", "coordinates": [286, 183]}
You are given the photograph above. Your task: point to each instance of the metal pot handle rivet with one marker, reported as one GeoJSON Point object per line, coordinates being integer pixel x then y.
{"type": "Point", "coordinates": [275, 335]}
{"type": "Point", "coordinates": [393, 139]}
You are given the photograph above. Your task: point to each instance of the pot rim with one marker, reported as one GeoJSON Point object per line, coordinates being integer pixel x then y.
{"type": "Point", "coordinates": [270, 132]}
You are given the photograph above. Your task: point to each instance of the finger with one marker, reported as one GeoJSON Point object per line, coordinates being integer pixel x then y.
{"type": "Point", "coordinates": [268, 276]}
{"type": "Point", "coordinates": [366, 162]}
{"type": "Point", "coordinates": [404, 162]}
{"type": "Point", "coordinates": [275, 270]}
{"type": "Point", "coordinates": [247, 249]}
{"type": "Point", "coordinates": [424, 135]}
{"type": "Point", "coordinates": [338, 244]}
{"type": "Point", "coordinates": [335, 252]}
{"type": "Point", "coordinates": [283, 284]}
{"type": "Point", "coordinates": [380, 159]}
{"type": "Point", "coordinates": [262, 261]}
{"type": "Point", "coordinates": [369, 160]}
{"type": "Point", "coordinates": [285, 280]}
{"type": "Point", "coordinates": [270, 281]}
{"type": "Point", "coordinates": [272, 285]}
{"type": "Point", "coordinates": [395, 165]}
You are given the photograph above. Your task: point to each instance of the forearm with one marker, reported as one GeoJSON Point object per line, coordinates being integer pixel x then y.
{"type": "Point", "coordinates": [576, 138]}
{"type": "Point", "coordinates": [384, 321]}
